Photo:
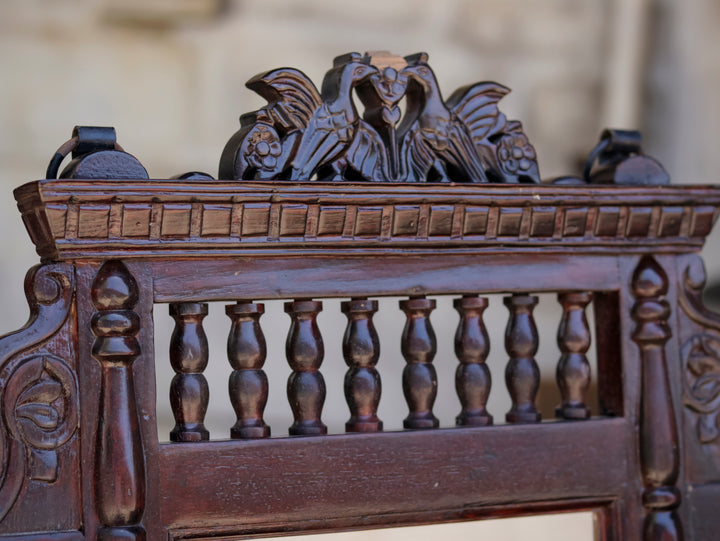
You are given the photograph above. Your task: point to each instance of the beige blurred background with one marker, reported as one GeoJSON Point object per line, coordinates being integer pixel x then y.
{"type": "Point", "coordinates": [169, 75]}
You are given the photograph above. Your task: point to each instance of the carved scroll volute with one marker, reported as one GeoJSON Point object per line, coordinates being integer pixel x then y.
{"type": "Point", "coordinates": [248, 383]}
{"type": "Point", "coordinates": [419, 377]}
{"type": "Point", "coordinates": [472, 377]}
{"type": "Point", "coordinates": [119, 463]}
{"type": "Point", "coordinates": [305, 351]}
{"type": "Point", "coordinates": [38, 391]}
{"type": "Point", "coordinates": [573, 369]}
{"type": "Point", "coordinates": [522, 374]}
{"type": "Point", "coordinates": [659, 453]}
{"type": "Point", "coordinates": [361, 350]}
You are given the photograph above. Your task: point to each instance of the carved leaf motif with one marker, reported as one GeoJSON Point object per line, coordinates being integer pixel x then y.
{"type": "Point", "coordinates": [701, 355]}
{"type": "Point", "coordinates": [42, 394]}
{"type": "Point", "coordinates": [707, 428]}
{"type": "Point", "coordinates": [42, 415]}
{"type": "Point", "coordinates": [707, 387]}
{"type": "Point", "coordinates": [45, 391]}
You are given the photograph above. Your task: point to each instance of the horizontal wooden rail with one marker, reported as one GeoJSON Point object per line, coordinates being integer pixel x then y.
{"type": "Point", "coordinates": [399, 274]}
{"type": "Point", "coordinates": [357, 476]}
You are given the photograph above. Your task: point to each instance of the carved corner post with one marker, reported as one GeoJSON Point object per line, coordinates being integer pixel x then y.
{"type": "Point", "coordinates": [119, 462]}
{"type": "Point", "coordinates": [659, 453]}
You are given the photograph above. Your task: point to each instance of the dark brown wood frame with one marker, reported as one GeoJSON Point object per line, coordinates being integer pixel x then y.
{"type": "Point", "coordinates": [79, 450]}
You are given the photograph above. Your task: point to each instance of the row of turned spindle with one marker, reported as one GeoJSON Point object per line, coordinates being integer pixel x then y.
{"type": "Point", "coordinates": [248, 384]}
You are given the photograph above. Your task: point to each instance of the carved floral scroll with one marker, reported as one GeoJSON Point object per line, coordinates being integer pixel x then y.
{"type": "Point", "coordinates": [406, 133]}
{"type": "Point", "coordinates": [701, 355]}
{"type": "Point", "coordinates": [38, 390]}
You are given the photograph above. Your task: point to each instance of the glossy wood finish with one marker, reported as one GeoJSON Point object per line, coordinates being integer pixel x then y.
{"type": "Point", "coordinates": [581, 480]}
{"type": "Point", "coordinates": [361, 350]}
{"type": "Point", "coordinates": [573, 369]}
{"type": "Point", "coordinates": [248, 383]}
{"type": "Point", "coordinates": [305, 350]}
{"type": "Point", "coordinates": [408, 477]}
{"type": "Point", "coordinates": [522, 375]}
{"type": "Point", "coordinates": [189, 392]}
{"type": "Point", "coordinates": [79, 450]}
{"type": "Point", "coordinates": [119, 497]}
{"type": "Point", "coordinates": [419, 379]}
{"type": "Point", "coordinates": [472, 377]}
{"type": "Point", "coordinates": [74, 219]}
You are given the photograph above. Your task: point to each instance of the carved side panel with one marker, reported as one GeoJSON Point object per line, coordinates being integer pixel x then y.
{"type": "Point", "coordinates": [699, 341]}
{"type": "Point", "coordinates": [39, 409]}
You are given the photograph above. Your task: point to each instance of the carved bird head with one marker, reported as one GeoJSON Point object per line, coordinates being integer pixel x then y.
{"type": "Point", "coordinates": [348, 71]}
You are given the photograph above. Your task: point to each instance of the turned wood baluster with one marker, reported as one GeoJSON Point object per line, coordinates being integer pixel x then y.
{"type": "Point", "coordinates": [305, 350]}
{"type": "Point", "coordinates": [573, 369]}
{"type": "Point", "coordinates": [189, 393]}
{"type": "Point", "coordinates": [248, 384]}
{"type": "Point", "coordinates": [361, 350]}
{"type": "Point", "coordinates": [472, 377]}
{"type": "Point", "coordinates": [522, 374]}
{"type": "Point", "coordinates": [659, 454]}
{"type": "Point", "coordinates": [119, 463]}
{"type": "Point", "coordinates": [419, 378]}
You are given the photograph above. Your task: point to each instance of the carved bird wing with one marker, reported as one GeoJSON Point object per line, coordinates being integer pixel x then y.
{"type": "Point", "coordinates": [328, 133]}
{"type": "Point", "coordinates": [476, 107]}
{"type": "Point", "coordinates": [292, 97]}
{"type": "Point", "coordinates": [419, 157]}
{"type": "Point", "coordinates": [367, 155]}
{"type": "Point", "coordinates": [462, 153]}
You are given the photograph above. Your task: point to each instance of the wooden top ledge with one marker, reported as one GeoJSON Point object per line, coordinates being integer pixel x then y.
{"type": "Point", "coordinates": [77, 219]}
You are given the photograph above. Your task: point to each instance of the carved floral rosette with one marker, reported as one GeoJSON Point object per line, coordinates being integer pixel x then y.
{"type": "Point", "coordinates": [406, 132]}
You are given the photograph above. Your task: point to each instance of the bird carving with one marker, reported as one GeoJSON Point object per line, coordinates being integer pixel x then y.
{"type": "Point", "coordinates": [505, 150]}
{"type": "Point", "coordinates": [303, 134]}
{"type": "Point", "coordinates": [433, 138]}
{"type": "Point", "coordinates": [267, 137]}
{"type": "Point", "coordinates": [334, 124]}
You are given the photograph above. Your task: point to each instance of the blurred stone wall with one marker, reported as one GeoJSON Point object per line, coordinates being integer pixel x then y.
{"type": "Point", "coordinates": [170, 74]}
